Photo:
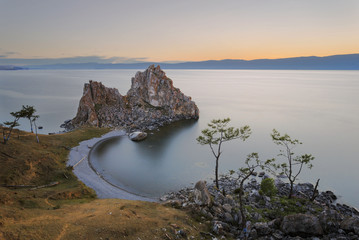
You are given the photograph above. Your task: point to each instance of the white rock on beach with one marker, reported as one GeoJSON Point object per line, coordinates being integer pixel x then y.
{"type": "Point", "coordinates": [137, 136]}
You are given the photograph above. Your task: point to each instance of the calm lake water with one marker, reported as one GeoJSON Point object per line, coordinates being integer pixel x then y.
{"type": "Point", "coordinates": [320, 108]}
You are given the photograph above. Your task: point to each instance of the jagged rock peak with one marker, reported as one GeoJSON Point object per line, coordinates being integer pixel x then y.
{"type": "Point", "coordinates": [152, 101]}
{"type": "Point", "coordinates": [95, 97]}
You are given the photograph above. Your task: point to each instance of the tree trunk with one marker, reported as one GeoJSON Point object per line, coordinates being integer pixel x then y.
{"type": "Point", "coordinates": [291, 190]}
{"type": "Point", "coordinates": [241, 207]}
{"type": "Point", "coordinates": [4, 135]}
{"type": "Point", "coordinates": [31, 126]}
{"type": "Point", "coordinates": [315, 191]}
{"type": "Point", "coordinates": [216, 173]}
{"type": "Point", "coordinates": [37, 137]}
{"type": "Point", "coordinates": [8, 136]}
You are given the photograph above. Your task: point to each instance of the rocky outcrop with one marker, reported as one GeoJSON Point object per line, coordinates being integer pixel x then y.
{"type": "Point", "coordinates": [152, 101]}
{"type": "Point", "coordinates": [274, 217]}
{"type": "Point", "coordinates": [99, 106]}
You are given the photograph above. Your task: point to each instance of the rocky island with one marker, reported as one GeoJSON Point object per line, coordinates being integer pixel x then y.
{"type": "Point", "coordinates": [151, 102]}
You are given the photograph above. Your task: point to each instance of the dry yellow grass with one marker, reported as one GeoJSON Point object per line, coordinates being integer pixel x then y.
{"type": "Point", "coordinates": [100, 219]}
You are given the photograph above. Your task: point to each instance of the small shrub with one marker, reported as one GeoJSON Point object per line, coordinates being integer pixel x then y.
{"type": "Point", "coordinates": [88, 192]}
{"type": "Point", "coordinates": [237, 190]}
{"type": "Point", "coordinates": [98, 107]}
{"type": "Point", "coordinates": [56, 207]}
{"type": "Point", "coordinates": [69, 168]}
{"type": "Point", "coordinates": [28, 203]}
{"type": "Point", "coordinates": [268, 188]}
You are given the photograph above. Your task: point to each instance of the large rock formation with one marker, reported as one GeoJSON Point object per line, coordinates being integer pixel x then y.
{"type": "Point", "coordinates": [152, 101]}
{"type": "Point", "coordinates": [301, 225]}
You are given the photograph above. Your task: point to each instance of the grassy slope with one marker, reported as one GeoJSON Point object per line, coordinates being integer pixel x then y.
{"type": "Point", "coordinates": [69, 210]}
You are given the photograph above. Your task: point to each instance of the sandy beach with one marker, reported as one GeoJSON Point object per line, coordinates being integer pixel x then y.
{"type": "Point", "coordinates": [78, 158]}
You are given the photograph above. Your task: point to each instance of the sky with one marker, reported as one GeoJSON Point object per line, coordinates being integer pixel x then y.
{"type": "Point", "coordinates": [114, 31]}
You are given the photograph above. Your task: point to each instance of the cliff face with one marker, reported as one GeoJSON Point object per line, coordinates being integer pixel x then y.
{"type": "Point", "coordinates": [152, 101]}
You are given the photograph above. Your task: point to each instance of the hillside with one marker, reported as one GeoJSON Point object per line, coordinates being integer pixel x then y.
{"type": "Point", "coordinates": [70, 210]}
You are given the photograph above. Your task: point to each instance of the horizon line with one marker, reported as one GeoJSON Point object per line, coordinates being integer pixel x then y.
{"type": "Point", "coordinates": [107, 60]}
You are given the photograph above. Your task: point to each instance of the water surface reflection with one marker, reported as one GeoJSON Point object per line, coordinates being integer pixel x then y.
{"type": "Point", "coordinates": [153, 166]}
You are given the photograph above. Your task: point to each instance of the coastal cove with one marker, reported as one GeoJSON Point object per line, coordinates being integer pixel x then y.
{"type": "Point", "coordinates": [79, 159]}
{"type": "Point", "coordinates": [320, 108]}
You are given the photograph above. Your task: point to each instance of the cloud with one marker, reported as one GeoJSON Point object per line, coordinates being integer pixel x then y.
{"type": "Point", "coordinates": [11, 53]}
{"type": "Point", "coordinates": [129, 60]}
{"type": "Point", "coordinates": [6, 54]}
{"type": "Point", "coordinates": [71, 60]}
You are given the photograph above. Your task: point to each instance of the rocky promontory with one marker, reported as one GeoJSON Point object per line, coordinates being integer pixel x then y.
{"type": "Point", "coordinates": [268, 217]}
{"type": "Point", "coordinates": [151, 102]}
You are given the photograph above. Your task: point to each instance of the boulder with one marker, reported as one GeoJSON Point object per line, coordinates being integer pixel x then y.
{"type": "Point", "coordinates": [218, 227]}
{"type": "Point", "coordinates": [151, 101]}
{"type": "Point", "coordinates": [330, 220]}
{"type": "Point", "coordinates": [331, 195]}
{"type": "Point", "coordinates": [201, 194]}
{"type": "Point", "coordinates": [262, 228]}
{"type": "Point", "coordinates": [228, 217]}
{"type": "Point", "coordinates": [137, 136]}
{"type": "Point", "coordinates": [304, 187]}
{"type": "Point", "coordinates": [227, 208]}
{"type": "Point", "coordinates": [301, 225]}
{"type": "Point", "coordinates": [350, 224]}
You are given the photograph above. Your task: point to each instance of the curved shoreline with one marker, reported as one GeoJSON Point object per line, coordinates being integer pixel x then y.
{"type": "Point", "coordinates": [88, 175]}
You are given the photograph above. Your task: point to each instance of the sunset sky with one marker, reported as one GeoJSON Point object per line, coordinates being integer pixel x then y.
{"type": "Point", "coordinates": [164, 30]}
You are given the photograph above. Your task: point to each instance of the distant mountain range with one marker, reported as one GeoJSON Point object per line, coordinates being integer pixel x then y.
{"type": "Point", "coordinates": [335, 62]}
{"type": "Point", "coordinates": [11, 68]}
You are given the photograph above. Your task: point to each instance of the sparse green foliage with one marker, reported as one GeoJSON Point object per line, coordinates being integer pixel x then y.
{"type": "Point", "coordinates": [268, 187]}
{"type": "Point", "coordinates": [282, 206]}
{"type": "Point", "coordinates": [294, 164]}
{"type": "Point", "coordinates": [217, 133]}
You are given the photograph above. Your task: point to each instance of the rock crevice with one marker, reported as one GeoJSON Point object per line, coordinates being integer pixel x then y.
{"type": "Point", "coordinates": [151, 102]}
